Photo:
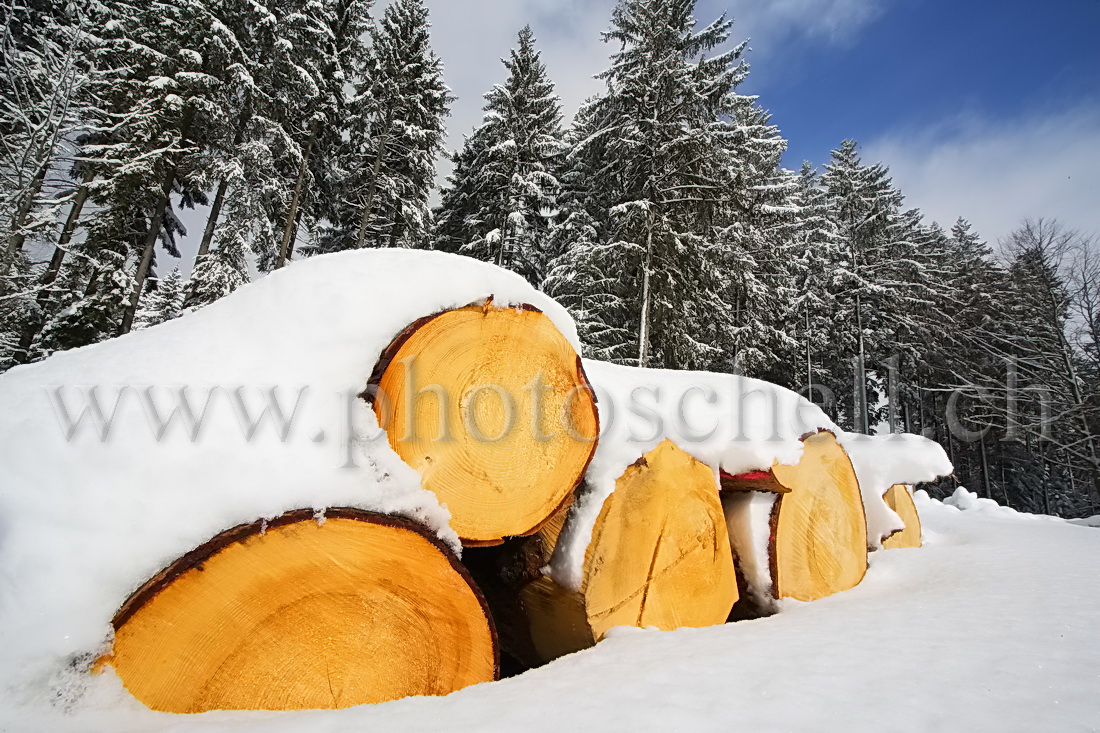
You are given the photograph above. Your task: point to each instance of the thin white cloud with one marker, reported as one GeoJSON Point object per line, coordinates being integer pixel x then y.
{"type": "Point", "coordinates": [771, 22]}
{"type": "Point", "coordinates": [996, 173]}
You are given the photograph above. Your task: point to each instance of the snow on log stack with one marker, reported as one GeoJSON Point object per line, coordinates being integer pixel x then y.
{"type": "Point", "coordinates": [276, 370]}
{"type": "Point", "coordinates": [800, 530]}
{"type": "Point", "coordinates": [429, 486]}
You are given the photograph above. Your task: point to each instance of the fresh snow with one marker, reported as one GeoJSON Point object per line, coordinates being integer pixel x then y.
{"type": "Point", "coordinates": [733, 424]}
{"type": "Point", "coordinates": [84, 523]}
{"type": "Point", "coordinates": [881, 461]}
{"type": "Point", "coordinates": [730, 423]}
{"type": "Point", "coordinates": [990, 626]}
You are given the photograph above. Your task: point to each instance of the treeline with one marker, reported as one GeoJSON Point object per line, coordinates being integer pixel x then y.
{"type": "Point", "coordinates": [661, 216]}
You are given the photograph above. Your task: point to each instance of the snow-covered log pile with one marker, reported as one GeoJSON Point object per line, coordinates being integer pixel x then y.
{"type": "Point", "coordinates": [366, 476]}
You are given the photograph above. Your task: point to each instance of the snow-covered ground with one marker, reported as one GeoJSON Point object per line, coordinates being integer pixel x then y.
{"type": "Point", "coordinates": [991, 626]}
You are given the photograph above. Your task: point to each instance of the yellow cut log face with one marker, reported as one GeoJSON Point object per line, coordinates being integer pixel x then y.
{"type": "Point", "coordinates": [296, 614]}
{"type": "Point", "coordinates": [900, 500]}
{"type": "Point", "coordinates": [659, 556]}
{"type": "Point", "coordinates": [660, 553]}
{"type": "Point", "coordinates": [492, 407]}
{"type": "Point", "coordinates": [819, 536]}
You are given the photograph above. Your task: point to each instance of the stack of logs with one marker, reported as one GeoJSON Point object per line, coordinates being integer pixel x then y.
{"type": "Point", "coordinates": [296, 613]}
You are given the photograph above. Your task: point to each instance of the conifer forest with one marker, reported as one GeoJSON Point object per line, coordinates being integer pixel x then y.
{"type": "Point", "coordinates": [662, 215]}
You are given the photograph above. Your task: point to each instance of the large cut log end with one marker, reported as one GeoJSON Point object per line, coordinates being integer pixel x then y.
{"type": "Point", "coordinates": [660, 553]}
{"type": "Point", "coordinates": [900, 500]}
{"type": "Point", "coordinates": [819, 544]}
{"type": "Point", "coordinates": [300, 614]}
{"type": "Point", "coordinates": [492, 407]}
{"type": "Point", "coordinates": [659, 557]}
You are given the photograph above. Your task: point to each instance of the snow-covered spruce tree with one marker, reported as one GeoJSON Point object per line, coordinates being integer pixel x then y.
{"type": "Point", "coordinates": [287, 92]}
{"type": "Point", "coordinates": [582, 273]}
{"type": "Point", "coordinates": [396, 128]}
{"type": "Point", "coordinates": [865, 208]}
{"type": "Point", "coordinates": [45, 105]}
{"type": "Point", "coordinates": [163, 302]}
{"type": "Point", "coordinates": [327, 204]}
{"type": "Point", "coordinates": [815, 256]}
{"type": "Point", "coordinates": [751, 266]}
{"type": "Point", "coordinates": [506, 186]}
{"type": "Point", "coordinates": [163, 96]}
{"type": "Point", "coordinates": [655, 152]}
{"type": "Point", "coordinates": [459, 198]}
{"type": "Point", "coordinates": [222, 270]}
{"type": "Point", "coordinates": [94, 315]}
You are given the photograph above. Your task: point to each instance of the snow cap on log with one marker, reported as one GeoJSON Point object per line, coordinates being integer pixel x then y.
{"type": "Point", "coordinates": [732, 424]}
{"type": "Point", "coordinates": [86, 521]}
{"type": "Point", "coordinates": [882, 461]}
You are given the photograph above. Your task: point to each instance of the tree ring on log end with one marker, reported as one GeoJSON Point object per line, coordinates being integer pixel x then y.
{"type": "Point", "coordinates": [660, 553]}
{"type": "Point", "coordinates": [901, 501]}
{"type": "Point", "coordinates": [819, 534]}
{"type": "Point", "coordinates": [492, 407]}
{"type": "Point", "coordinates": [294, 614]}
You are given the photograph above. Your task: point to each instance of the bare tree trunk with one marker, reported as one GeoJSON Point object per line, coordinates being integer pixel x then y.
{"type": "Point", "coordinates": [985, 470]}
{"type": "Point", "coordinates": [863, 419]}
{"type": "Point", "coordinates": [372, 188]}
{"type": "Point", "coordinates": [34, 325]}
{"type": "Point", "coordinates": [643, 328]}
{"type": "Point", "coordinates": [219, 197]}
{"type": "Point", "coordinates": [892, 396]}
{"type": "Point", "coordinates": [26, 204]}
{"type": "Point", "coordinates": [151, 237]}
{"type": "Point", "coordinates": [294, 236]}
{"type": "Point", "coordinates": [212, 221]}
{"type": "Point", "coordinates": [809, 361]}
{"type": "Point", "coordinates": [295, 201]}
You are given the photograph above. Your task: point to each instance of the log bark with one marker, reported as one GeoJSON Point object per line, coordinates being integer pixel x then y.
{"type": "Point", "coordinates": [492, 407]}
{"type": "Point", "coordinates": [659, 556]}
{"type": "Point", "coordinates": [295, 613]}
{"type": "Point", "coordinates": [900, 500]}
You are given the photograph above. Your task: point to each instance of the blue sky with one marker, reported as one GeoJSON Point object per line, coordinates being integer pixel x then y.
{"type": "Point", "coordinates": [988, 109]}
{"type": "Point", "coordinates": [917, 63]}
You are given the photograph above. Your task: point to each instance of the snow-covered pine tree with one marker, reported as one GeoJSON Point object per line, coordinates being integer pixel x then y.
{"type": "Point", "coordinates": [655, 151]}
{"type": "Point", "coordinates": [163, 94]}
{"type": "Point", "coordinates": [758, 224]}
{"type": "Point", "coordinates": [815, 254]}
{"type": "Point", "coordinates": [163, 302]}
{"type": "Point", "coordinates": [396, 128]}
{"type": "Point", "coordinates": [506, 188]}
{"type": "Point", "coordinates": [94, 315]}
{"type": "Point", "coordinates": [45, 105]}
{"type": "Point", "coordinates": [865, 208]}
{"type": "Point", "coordinates": [316, 42]}
{"type": "Point", "coordinates": [225, 268]}
{"type": "Point", "coordinates": [582, 273]}
{"type": "Point", "coordinates": [454, 217]}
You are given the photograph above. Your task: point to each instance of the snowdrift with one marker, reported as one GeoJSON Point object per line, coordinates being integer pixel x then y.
{"type": "Point", "coordinates": [84, 522]}
{"type": "Point", "coordinates": [120, 459]}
